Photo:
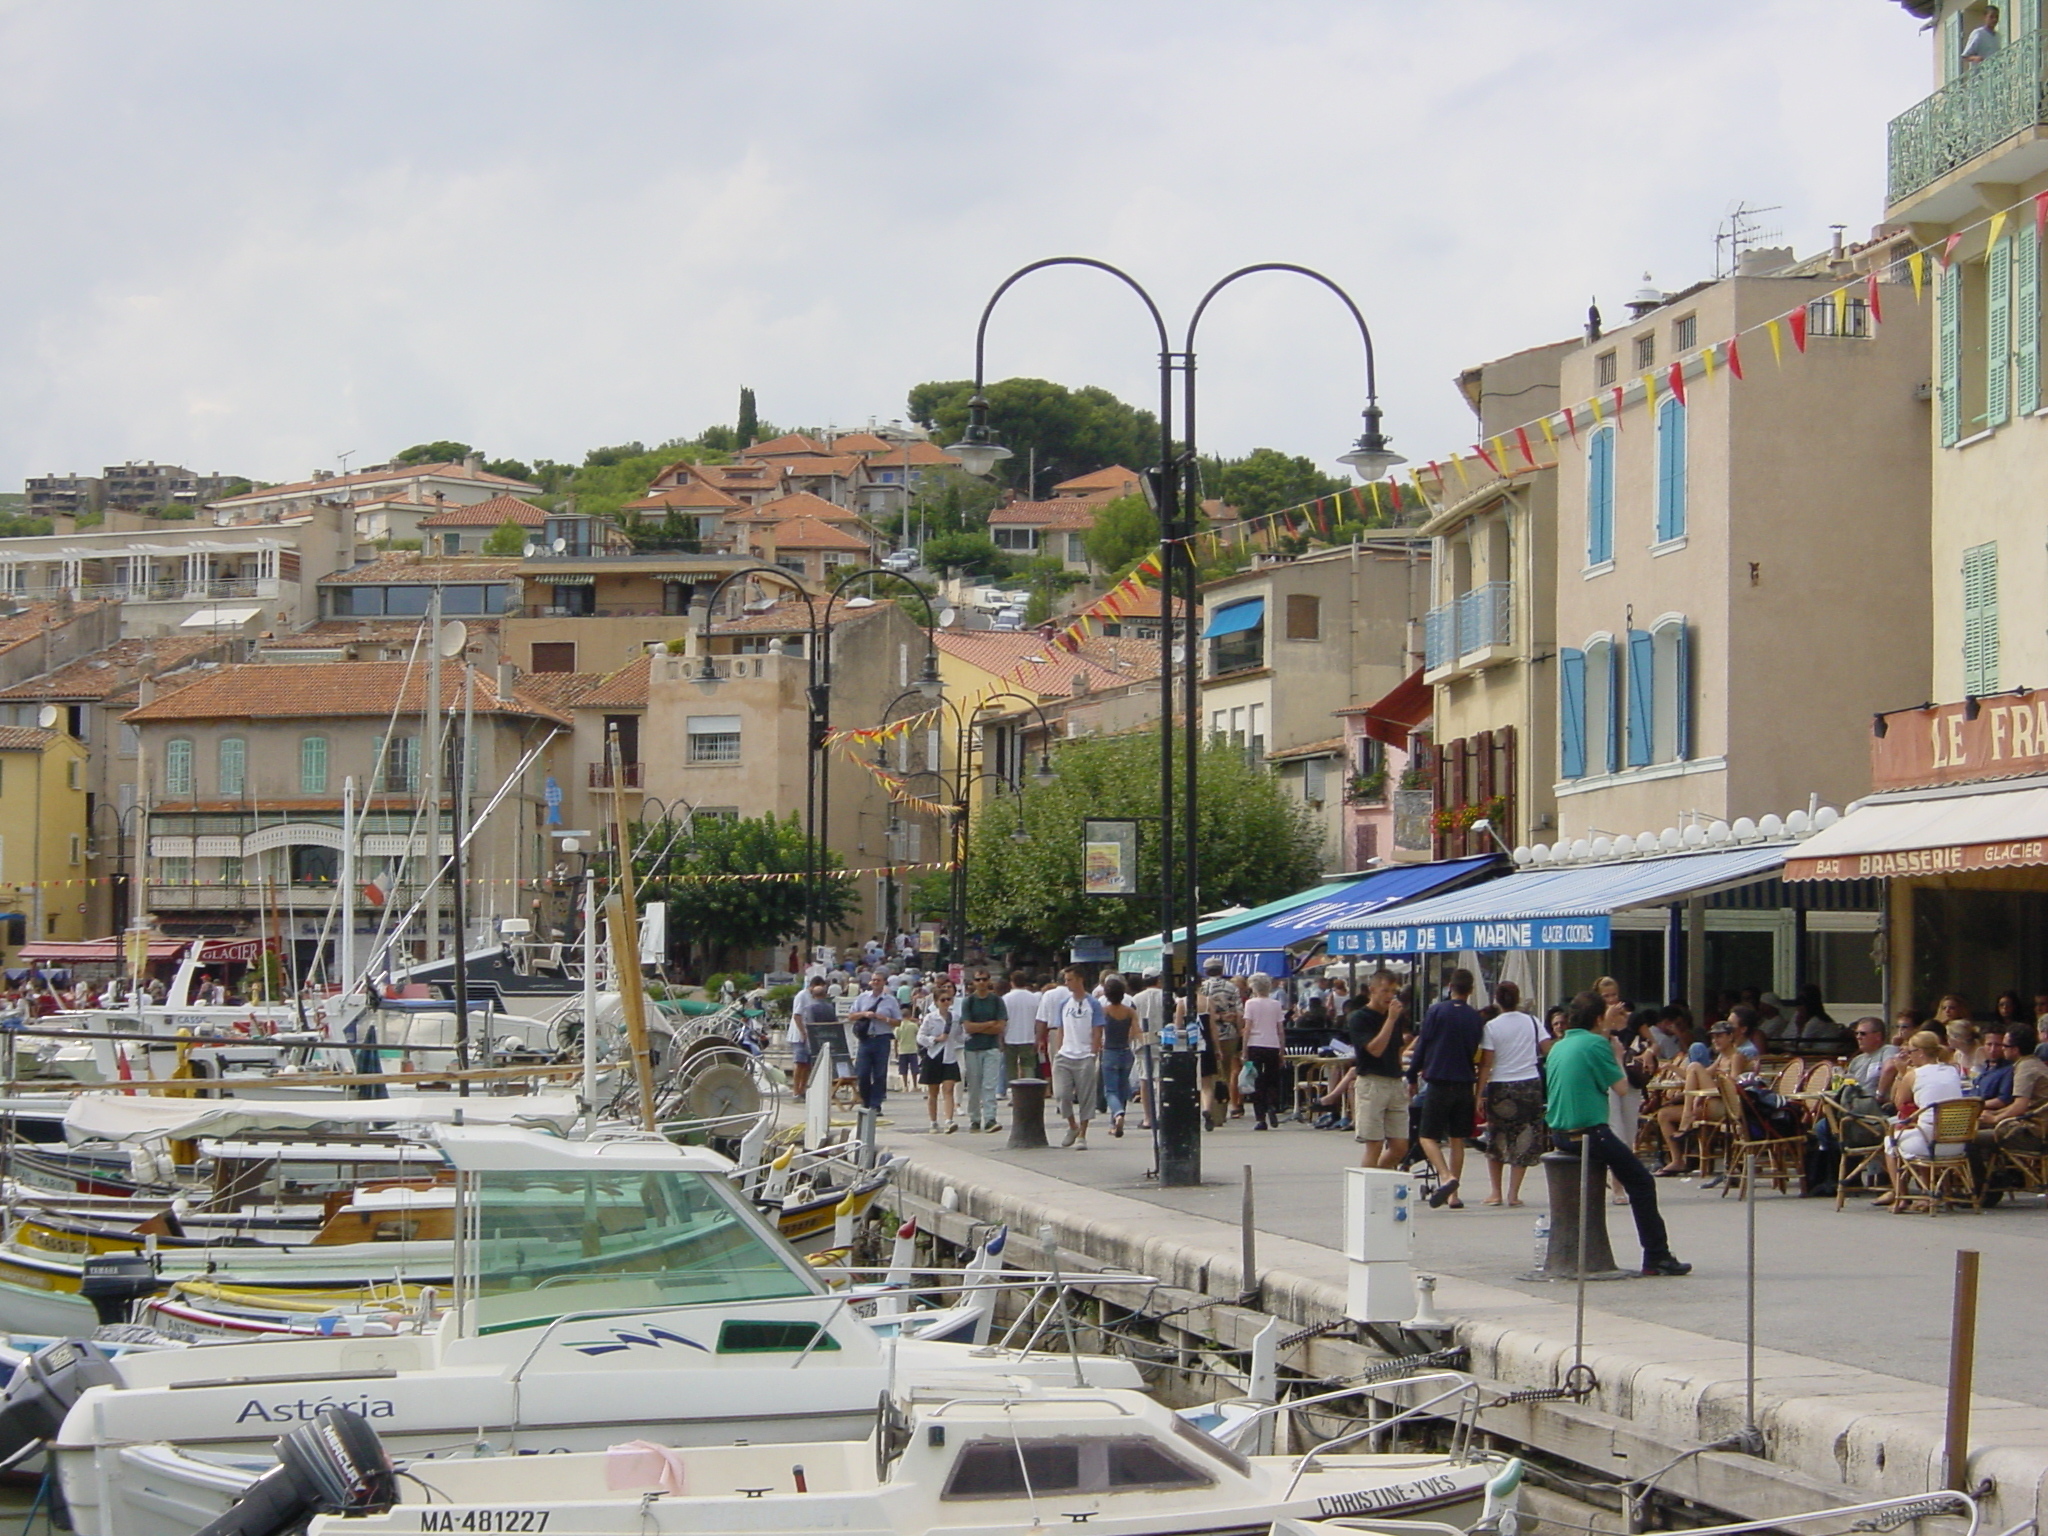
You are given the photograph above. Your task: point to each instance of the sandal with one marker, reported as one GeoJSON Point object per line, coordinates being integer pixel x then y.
{"type": "Point", "coordinates": [1492, 1200]}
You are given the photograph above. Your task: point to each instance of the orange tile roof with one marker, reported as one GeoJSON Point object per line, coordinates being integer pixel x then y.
{"type": "Point", "coordinates": [743, 474]}
{"type": "Point", "coordinates": [789, 445]}
{"type": "Point", "coordinates": [917, 453]}
{"type": "Point", "coordinates": [1067, 512]}
{"type": "Point", "coordinates": [494, 513]}
{"type": "Point", "coordinates": [407, 567]}
{"type": "Point", "coordinates": [803, 504]}
{"type": "Point", "coordinates": [1115, 478]}
{"type": "Point", "coordinates": [24, 738]}
{"type": "Point", "coordinates": [811, 533]}
{"type": "Point", "coordinates": [623, 689]}
{"type": "Point", "coordinates": [844, 466]}
{"type": "Point", "coordinates": [562, 689]}
{"type": "Point", "coordinates": [311, 690]}
{"type": "Point", "coordinates": [30, 619]}
{"type": "Point", "coordinates": [1037, 667]}
{"type": "Point", "coordinates": [106, 672]}
{"type": "Point", "coordinates": [692, 493]}
{"type": "Point", "coordinates": [785, 618]}
{"type": "Point", "coordinates": [451, 471]}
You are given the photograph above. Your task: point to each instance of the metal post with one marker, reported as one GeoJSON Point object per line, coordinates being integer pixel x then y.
{"type": "Point", "coordinates": [1247, 1249]}
{"type": "Point", "coordinates": [589, 991]}
{"type": "Point", "coordinates": [458, 795]}
{"type": "Point", "coordinates": [1962, 1366]}
{"type": "Point", "coordinates": [345, 949]}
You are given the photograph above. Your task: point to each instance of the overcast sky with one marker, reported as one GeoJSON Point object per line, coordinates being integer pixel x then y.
{"type": "Point", "coordinates": [249, 237]}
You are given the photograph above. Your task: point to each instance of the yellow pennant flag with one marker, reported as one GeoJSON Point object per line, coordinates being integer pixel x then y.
{"type": "Point", "coordinates": [1416, 476]}
{"type": "Point", "coordinates": [1599, 415]}
{"type": "Point", "coordinates": [1997, 228]}
{"type": "Point", "coordinates": [1649, 392]}
{"type": "Point", "coordinates": [1917, 265]}
{"type": "Point", "coordinates": [1777, 341]}
{"type": "Point", "coordinates": [1459, 465]}
{"type": "Point", "coordinates": [1500, 455]}
{"type": "Point", "coordinates": [1549, 436]}
{"type": "Point", "coordinates": [1707, 357]}
{"type": "Point", "coordinates": [1841, 311]}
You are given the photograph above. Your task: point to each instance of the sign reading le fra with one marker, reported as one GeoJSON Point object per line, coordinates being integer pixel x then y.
{"type": "Point", "coordinates": [1578, 932]}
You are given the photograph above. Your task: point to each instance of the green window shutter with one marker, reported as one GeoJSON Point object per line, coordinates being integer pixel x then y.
{"type": "Point", "coordinates": [1980, 619]}
{"type": "Point", "coordinates": [2023, 19]}
{"type": "Point", "coordinates": [1948, 381]}
{"type": "Point", "coordinates": [313, 765]}
{"type": "Point", "coordinates": [2026, 320]}
{"type": "Point", "coordinates": [1998, 334]}
{"type": "Point", "coordinates": [1951, 46]}
{"type": "Point", "coordinates": [234, 767]}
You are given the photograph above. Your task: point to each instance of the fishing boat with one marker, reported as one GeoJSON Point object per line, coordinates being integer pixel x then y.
{"type": "Point", "coordinates": [602, 1289]}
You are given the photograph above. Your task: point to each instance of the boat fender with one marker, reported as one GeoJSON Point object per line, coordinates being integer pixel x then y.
{"type": "Point", "coordinates": [334, 1465]}
{"type": "Point", "coordinates": [44, 1387]}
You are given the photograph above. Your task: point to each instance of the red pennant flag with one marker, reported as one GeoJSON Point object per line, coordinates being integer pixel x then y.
{"type": "Point", "coordinates": [1797, 320]}
{"type": "Point", "coordinates": [1734, 355]}
{"type": "Point", "coordinates": [1571, 423]}
{"type": "Point", "coordinates": [1522, 442]}
{"type": "Point", "coordinates": [1437, 470]}
{"type": "Point", "coordinates": [1394, 490]}
{"type": "Point", "coordinates": [2040, 212]}
{"type": "Point", "coordinates": [1617, 406]}
{"type": "Point", "coordinates": [1876, 304]}
{"type": "Point", "coordinates": [1948, 247]}
{"type": "Point", "coordinates": [1481, 451]}
{"type": "Point", "coordinates": [1678, 382]}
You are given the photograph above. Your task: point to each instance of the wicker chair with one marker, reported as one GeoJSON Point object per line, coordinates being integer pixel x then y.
{"type": "Point", "coordinates": [1946, 1176]}
{"type": "Point", "coordinates": [2030, 1167]}
{"type": "Point", "coordinates": [1753, 1144]}
{"type": "Point", "coordinates": [1853, 1161]}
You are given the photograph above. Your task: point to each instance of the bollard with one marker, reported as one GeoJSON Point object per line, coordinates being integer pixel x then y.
{"type": "Point", "coordinates": [1027, 1112]}
{"type": "Point", "coordinates": [1562, 1172]}
{"type": "Point", "coordinates": [1178, 1114]}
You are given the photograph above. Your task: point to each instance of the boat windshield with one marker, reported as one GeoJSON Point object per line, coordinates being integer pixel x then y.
{"type": "Point", "coordinates": [542, 1244]}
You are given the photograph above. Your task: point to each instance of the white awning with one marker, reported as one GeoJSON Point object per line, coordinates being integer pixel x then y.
{"type": "Point", "coordinates": [215, 618]}
{"type": "Point", "coordinates": [117, 1118]}
{"type": "Point", "coordinates": [1931, 832]}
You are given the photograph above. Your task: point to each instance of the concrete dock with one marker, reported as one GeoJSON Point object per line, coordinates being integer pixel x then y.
{"type": "Point", "coordinates": [1852, 1308]}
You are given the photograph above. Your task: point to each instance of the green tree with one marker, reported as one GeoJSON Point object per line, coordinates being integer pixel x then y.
{"type": "Point", "coordinates": [1254, 842]}
{"type": "Point", "coordinates": [1073, 430]}
{"type": "Point", "coordinates": [1125, 531]}
{"type": "Point", "coordinates": [974, 553]}
{"type": "Point", "coordinates": [1266, 480]}
{"type": "Point", "coordinates": [690, 866]}
{"type": "Point", "coordinates": [511, 469]}
{"type": "Point", "coordinates": [444, 452]}
{"type": "Point", "coordinates": [750, 419]}
{"type": "Point", "coordinates": [508, 539]}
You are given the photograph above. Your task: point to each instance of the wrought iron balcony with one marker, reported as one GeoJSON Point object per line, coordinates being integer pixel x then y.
{"type": "Point", "coordinates": [1988, 104]}
{"type": "Point", "coordinates": [1471, 622]}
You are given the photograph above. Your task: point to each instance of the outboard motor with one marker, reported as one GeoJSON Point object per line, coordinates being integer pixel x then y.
{"type": "Point", "coordinates": [44, 1387]}
{"type": "Point", "coordinates": [334, 1465]}
{"type": "Point", "coordinates": [114, 1282]}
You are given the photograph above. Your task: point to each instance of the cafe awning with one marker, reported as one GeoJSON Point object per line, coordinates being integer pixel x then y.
{"type": "Point", "coordinates": [1265, 944]}
{"type": "Point", "coordinates": [1561, 908]}
{"type": "Point", "coordinates": [1398, 714]}
{"type": "Point", "coordinates": [1944, 831]}
{"type": "Point", "coordinates": [1235, 618]}
{"type": "Point", "coordinates": [111, 951]}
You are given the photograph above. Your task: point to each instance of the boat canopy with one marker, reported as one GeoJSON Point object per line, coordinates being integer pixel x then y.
{"type": "Point", "coordinates": [118, 1118]}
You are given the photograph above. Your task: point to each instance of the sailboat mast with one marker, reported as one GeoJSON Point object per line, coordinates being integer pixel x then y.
{"type": "Point", "coordinates": [460, 796]}
{"type": "Point", "coordinates": [430, 784]}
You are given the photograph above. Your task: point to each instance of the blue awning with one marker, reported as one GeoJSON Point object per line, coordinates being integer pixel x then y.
{"type": "Point", "coordinates": [1563, 908]}
{"type": "Point", "coordinates": [1235, 618]}
{"type": "Point", "coordinates": [1263, 941]}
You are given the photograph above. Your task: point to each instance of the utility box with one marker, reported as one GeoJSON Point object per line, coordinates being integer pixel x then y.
{"type": "Point", "coordinates": [1379, 1244]}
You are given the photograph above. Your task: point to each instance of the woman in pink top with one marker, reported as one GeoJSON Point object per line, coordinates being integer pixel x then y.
{"type": "Point", "coordinates": [1265, 1048]}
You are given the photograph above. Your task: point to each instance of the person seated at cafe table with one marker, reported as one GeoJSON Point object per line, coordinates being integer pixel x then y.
{"type": "Point", "coordinates": [2009, 1124]}
{"type": "Point", "coordinates": [1992, 1081]}
{"type": "Point", "coordinates": [1876, 1061]}
{"type": "Point", "coordinates": [1701, 1085]}
{"type": "Point", "coordinates": [1928, 1079]}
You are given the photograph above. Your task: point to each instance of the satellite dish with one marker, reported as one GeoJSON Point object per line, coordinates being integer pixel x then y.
{"type": "Point", "coordinates": [560, 545]}
{"type": "Point", "coordinates": [46, 717]}
{"type": "Point", "coordinates": [453, 637]}
{"type": "Point", "coordinates": [948, 617]}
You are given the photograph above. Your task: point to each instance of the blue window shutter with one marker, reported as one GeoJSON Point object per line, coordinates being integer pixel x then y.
{"type": "Point", "coordinates": [1600, 498]}
{"type": "Point", "coordinates": [1571, 713]}
{"type": "Point", "coordinates": [1610, 741]}
{"type": "Point", "coordinates": [2026, 320]}
{"type": "Point", "coordinates": [1948, 300]}
{"type": "Point", "coordinates": [1681, 679]}
{"type": "Point", "coordinates": [1670, 471]}
{"type": "Point", "coordinates": [1642, 691]}
{"type": "Point", "coordinates": [1998, 334]}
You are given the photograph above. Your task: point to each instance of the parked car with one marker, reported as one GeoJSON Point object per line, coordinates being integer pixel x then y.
{"type": "Point", "coordinates": [1009, 618]}
{"type": "Point", "coordinates": [901, 560]}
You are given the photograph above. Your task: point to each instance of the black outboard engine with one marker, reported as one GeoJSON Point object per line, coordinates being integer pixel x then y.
{"type": "Point", "coordinates": [45, 1386]}
{"type": "Point", "coordinates": [334, 1465]}
{"type": "Point", "coordinates": [114, 1282]}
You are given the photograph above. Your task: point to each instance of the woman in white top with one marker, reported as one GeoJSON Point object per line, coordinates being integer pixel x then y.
{"type": "Point", "coordinates": [1928, 1078]}
{"type": "Point", "coordinates": [1511, 1090]}
{"type": "Point", "coordinates": [941, 1036]}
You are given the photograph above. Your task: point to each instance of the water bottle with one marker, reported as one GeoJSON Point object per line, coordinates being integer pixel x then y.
{"type": "Point", "coordinates": [1169, 1036]}
{"type": "Point", "coordinates": [1542, 1240]}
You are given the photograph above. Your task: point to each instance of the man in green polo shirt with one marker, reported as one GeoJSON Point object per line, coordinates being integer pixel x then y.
{"type": "Point", "coordinates": [1576, 1076]}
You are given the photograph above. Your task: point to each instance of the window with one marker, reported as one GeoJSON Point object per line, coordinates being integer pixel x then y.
{"type": "Point", "coordinates": [1600, 497]}
{"type": "Point", "coordinates": [1670, 471]}
{"type": "Point", "coordinates": [1141, 1464]}
{"type": "Point", "coordinates": [575, 602]}
{"type": "Point", "coordinates": [1948, 376]}
{"type": "Point", "coordinates": [130, 739]}
{"type": "Point", "coordinates": [1605, 369]}
{"type": "Point", "coordinates": [1314, 770]}
{"type": "Point", "coordinates": [1685, 333]}
{"type": "Point", "coordinates": [234, 766]}
{"type": "Point", "coordinates": [1646, 349]}
{"type": "Point", "coordinates": [230, 869]}
{"type": "Point", "coordinates": [1237, 636]}
{"type": "Point", "coordinates": [401, 755]}
{"type": "Point", "coordinates": [1007, 1469]}
{"type": "Point", "coordinates": [1020, 540]}
{"type": "Point", "coordinates": [675, 598]}
{"type": "Point", "coordinates": [1219, 722]}
{"type": "Point", "coordinates": [714, 738]}
{"type": "Point", "coordinates": [77, 855]}
{"type": "Point", "coordinates": [174, 870]}
{"type": "Point", "coordinates": [1077, 548]}
{"type": "Point", "coordinates": [313, 765]}
{"type": "Point", "coordinates": [178, 768]}
{"type": "Point", "coordinates": [554, 656]}
{"type": "Point", "coordinates": [1600, 708]}
{"type": "Point", "coordinates": [1304, 617]}
{"type": "Point", "coordinates": [74, 774]}
{"type": "Point", "coordinates": [451, 543]}
{"type": "Point", "coordinates": [312, 865]}
{"type": "Point", "coordinates": [1823, 318]}
{"type": "Point", "coordinates": [1980, 619]}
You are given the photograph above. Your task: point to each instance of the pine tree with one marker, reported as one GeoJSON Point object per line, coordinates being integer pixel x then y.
{"type": "Point", "coordinates": [750, 420]}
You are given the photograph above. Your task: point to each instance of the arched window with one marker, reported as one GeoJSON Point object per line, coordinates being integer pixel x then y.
{"type": "Point", "coordinates": [178, 768]}
{"type": "Point", "coordinates": [234, 766]}
{"type": "Point", "coordinates": [312, 765]}
{"type": "Point", "coordinates": [1600, 497]}
{"type": "Point", "coordinates": [1670, 471]}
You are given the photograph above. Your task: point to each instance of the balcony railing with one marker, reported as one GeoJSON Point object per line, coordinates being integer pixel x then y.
{"type": "Point", "coordinates": [177, 591]}
{"type": "Point", "coordinates": [1470, 622]}
{"type": "Point", "coordinates": [230, 898]}
{"type": "Point", "coordinates": [1988, 104]}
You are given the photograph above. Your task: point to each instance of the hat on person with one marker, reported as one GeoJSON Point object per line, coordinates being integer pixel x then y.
{"type": "Point", "coordinates": [1213, 966]}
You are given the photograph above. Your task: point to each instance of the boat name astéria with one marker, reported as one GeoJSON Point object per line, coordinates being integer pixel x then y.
{"type": "Point", "coordinates": [306, 1408]}
{"type": "Point", "coordinates": [1368, 1499]}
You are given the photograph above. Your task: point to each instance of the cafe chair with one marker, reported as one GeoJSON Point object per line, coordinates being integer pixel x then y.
{"type": "Point", "coordinates": [1753, 1142]}
{"type": "Point", "coordinates": [2020, 1170]}
{"type": "Point", "coordinates": [1859, 1142]}
{"type": "Point", "coordinates": [1946, 1176]}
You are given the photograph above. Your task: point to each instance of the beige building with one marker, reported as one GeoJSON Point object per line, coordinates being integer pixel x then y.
{"type": "Point", "coordinates": [425, 486]}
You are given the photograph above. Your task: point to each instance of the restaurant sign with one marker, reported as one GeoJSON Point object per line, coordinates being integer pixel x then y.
{"type": "Point", "coordinates": [1579, 931]}
{"type": "Point", "coordinates": [1958, 858]}
{"type": "Point", "coordinates": [1942, 744]}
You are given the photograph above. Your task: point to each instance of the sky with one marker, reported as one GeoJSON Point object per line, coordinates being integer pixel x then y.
{"type": "Point", "coordinates": [255, 237]}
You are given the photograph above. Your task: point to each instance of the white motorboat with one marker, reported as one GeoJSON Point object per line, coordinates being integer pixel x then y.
{"type": "Point", "coordinates": [603, 1290]}
{"type": "Point", "coordinates": [961, 1459]}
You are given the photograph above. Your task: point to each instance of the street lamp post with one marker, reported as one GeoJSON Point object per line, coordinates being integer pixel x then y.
{"type": "Point", "coordinates": [124, 874]}
{"type": "Point", "coordinates": [980, 450]}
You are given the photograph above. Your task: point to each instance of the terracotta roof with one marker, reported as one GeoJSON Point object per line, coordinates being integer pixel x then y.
{"type": "Point", "coordinates": [311, 690]}
{"type": "Point", "coordinates": [785, 618]}
{"type": "Point", "coordinates": [845, 466]}
{"type": "Point", "coordinates": [747, 474]}
{"type": "Point", "coordinates": [561, 689]}
{"type": "Point", "coordinates": [1115, 479]}
{"type": "Point", "coordinates": [405, 566]}
{"type": "Point", "coordinates": [1331, 748]}
{"type": "Point", "coordinates": [494, 513]}
{"type": "Point", "coordinates": [803, 504]}
{"type": "Point", "coordinates": [1068, 512]}
{"type": "Point", "coordinates": [918, 454]}
{"type": "Point", "coordinates": [325, 634]}
{"type": "Point", "coordinates": [24, 738]}
{"type": "Point", "coordinates": [1040, 669]}
{"type": "Point", "coordinates": [789, 445]}
{"type": "Point", "coordinates": [106, 672]}
{"type": "Point", "coordinates": [1146, 605]}
{"type": "Point", "coordinates": [623, 689]}
{"type": "Point", "coordinates": [450, 471]}
{"type": "Point", "coordinates": [691, 493]}
{"type": "Point", "coordinates": [31, 619]}
{"type": "Point", "coordinates": [811, 533]}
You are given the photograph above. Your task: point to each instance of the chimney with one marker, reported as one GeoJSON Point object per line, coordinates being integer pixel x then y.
{"type": "Point", "coordinates": [508, 675]}
{"type": "Point", "coordinates": [472, 465]}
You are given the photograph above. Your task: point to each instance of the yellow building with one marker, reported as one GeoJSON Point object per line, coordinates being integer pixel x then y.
{"type": "Point", "coordinates": [42, 837]}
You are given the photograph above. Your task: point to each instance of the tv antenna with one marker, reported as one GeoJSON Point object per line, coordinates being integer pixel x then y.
{"type": "Point", "coordinates": [1742, 230]}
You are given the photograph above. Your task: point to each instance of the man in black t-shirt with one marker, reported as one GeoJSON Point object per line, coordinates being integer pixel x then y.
{"type": "Point", "coordinates": [1446, 1059]}
{"type": "Point", "coordinates": [1379, 1114]}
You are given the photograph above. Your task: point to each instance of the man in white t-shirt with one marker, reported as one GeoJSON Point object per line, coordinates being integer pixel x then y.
{"type": "Point", "coordinates": [1075, 1038]}
{"type": "Point", "coordinates": [1021, 1034]}
{"type": "Point", "coordinates": [1511, 1089]}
